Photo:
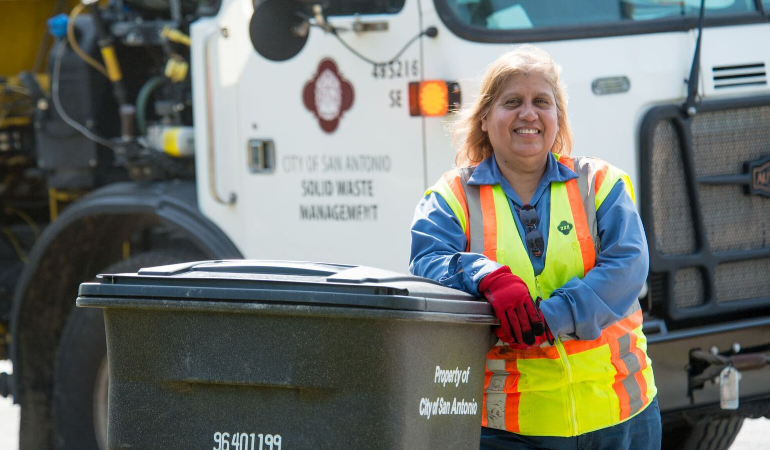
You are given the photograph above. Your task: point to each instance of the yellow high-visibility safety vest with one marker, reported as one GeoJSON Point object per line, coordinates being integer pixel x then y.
{"type": "Point", "coordinates": [574, 386]}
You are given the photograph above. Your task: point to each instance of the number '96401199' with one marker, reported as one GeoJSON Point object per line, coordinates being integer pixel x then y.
{"type": "Point", "coordinates": [246, 441]}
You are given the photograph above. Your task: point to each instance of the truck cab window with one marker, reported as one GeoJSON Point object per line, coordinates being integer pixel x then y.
{"type": "Point", "coordinates": [532, 14]}
{"type": "Point", "coordinates": [351, 7]}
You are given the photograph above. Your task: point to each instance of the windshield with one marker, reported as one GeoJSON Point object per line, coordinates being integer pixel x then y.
{"type": "Point", "coordinates": [351, 7]}
{"type": "Point", "coordinates": [531, 14]}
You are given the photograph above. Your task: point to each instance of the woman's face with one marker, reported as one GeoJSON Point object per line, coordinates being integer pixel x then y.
{"type": "Point", "coordinates": [522, 121]}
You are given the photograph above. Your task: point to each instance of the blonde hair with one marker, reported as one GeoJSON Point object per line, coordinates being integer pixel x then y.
{"type": "Point", "coordinates": [524, 60]}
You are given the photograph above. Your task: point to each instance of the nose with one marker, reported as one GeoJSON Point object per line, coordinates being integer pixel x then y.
{"type": "Point", "coordinates": [528, 112]}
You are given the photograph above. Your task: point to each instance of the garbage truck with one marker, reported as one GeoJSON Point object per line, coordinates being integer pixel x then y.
{"type": "Point", "coordinates": [136, 133]}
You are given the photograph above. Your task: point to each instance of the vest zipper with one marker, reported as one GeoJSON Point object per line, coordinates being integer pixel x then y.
{"type": "Point", "coordinates": [568, 367]}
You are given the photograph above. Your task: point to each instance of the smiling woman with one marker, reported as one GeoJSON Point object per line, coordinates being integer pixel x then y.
{"type": "Point", "coordinates": [555, 244]}
{"type": "Point", "coordinates": [522, 124]}
{"type": "Point", "coordinates": [520, 116]}
{"type": "Point", "coordinates": [504, 80]}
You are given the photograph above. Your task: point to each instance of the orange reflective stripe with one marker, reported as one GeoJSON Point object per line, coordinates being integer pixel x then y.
{"type": "Point", "coordinates": [576, 346]}
{"type": "Point", "coordinates": [453, 180]}
{"type": "Point", "coordinates": [513, 396]}
{"type": "Point", "coordinates": [599, 177]}
{"type": "Point", "coordinates": [630, 385]}
{"type": "Point", "coordinates": [585, 240]}
{"type": "Point", "coordinates": [567, 161]}
{"type": "Point", "coordinates": [587, 249]}
{"type": "Point", "coordinates": [503, 380]}
{"type": "Point", "coordinates": [624, 326]}
{"type": "Point", "coordinates": [505, 384]}
{"type": "Point", "coordinates": [620, 375]}
{"type": "Point", "coordinates": [490, 221]}
{"type": "Point", "coordinates": [611, 333]}
{"type": "Point", "coordinates": [505, 352]}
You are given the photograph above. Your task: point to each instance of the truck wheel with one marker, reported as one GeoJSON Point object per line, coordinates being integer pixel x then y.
{"type": "Point", "coordinates": [81, 372]}
{"type": "Point", "coordinates": [708, 433]}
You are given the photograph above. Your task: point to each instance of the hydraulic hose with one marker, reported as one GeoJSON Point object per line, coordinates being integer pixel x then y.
{"type": "Point", "coordinates": [107, 46]}
{"type": "Point", "coordinates": [141, 101]}
{"type": "Point", "coordinates": [74, 42]}
{"type": "Point", "coordinates": [60, 108]}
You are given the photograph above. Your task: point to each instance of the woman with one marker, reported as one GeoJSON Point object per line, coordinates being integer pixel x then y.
{"type": "Point", "coordinates": [523, 220]}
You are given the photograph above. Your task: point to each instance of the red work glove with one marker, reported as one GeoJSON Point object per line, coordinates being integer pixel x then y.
{"type": "Point", "coordinates": [509, 296]}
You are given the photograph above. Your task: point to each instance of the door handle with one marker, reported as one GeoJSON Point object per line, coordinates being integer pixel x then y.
{"type": "Point", "coordinates": [261, 156]}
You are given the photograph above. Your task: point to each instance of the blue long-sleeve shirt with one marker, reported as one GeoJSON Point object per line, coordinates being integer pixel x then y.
{"type": "Point", "coordinates": [579, 307]}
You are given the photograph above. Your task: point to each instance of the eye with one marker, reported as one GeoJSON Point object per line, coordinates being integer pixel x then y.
{"type": "Point", "coordinates": [512, 102]}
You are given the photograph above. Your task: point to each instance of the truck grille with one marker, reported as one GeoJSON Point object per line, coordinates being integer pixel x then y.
{"type": "Point", "coordinates": [742, 280]}
{"type": "Point", "coordinates": [674, 234]}
{"type": "Point", "coordinates": [723, 141]}
{"type": "Point", "coordinates": [709, 238]}
{"type": "Point", "coordinates": [688, 288]}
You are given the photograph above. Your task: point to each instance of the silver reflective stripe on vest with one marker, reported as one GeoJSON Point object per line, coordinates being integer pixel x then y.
{"type": "Point", "coordinates": [585, 181]}
{"type": "Point", "coordinates": [496, 394]}
{"type": "Point", "coordinates": [475, 215]}
{"type": "Point", "coordinates": [633, 366]}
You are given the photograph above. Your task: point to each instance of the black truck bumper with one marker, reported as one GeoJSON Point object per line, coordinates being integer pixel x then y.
{"type": "Point", "coordinates": [675, 368]}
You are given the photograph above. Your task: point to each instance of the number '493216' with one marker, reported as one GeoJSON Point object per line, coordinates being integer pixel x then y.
{"type": "Point", "coordinates": [246, 441]}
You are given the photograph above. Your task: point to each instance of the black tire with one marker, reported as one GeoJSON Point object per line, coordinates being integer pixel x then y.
{"type": "Point", "coordinates": [707, 433]}
{"type": "Point", "coordinates": [80, 381]}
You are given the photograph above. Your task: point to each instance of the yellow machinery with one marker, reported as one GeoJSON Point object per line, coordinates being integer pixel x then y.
{"type": "Point", "coordinates": [24, 47]}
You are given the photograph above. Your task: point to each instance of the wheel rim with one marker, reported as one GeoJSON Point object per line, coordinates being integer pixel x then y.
{"type": "Point", "coordinates": [101, 390]}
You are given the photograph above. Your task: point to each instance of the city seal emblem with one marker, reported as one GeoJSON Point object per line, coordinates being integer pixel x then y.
{"type": "Point", "coordinates": [328, 95]}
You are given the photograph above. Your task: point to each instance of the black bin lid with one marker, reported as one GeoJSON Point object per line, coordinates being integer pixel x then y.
{"type": "Point", "coordinates": [283, 282]}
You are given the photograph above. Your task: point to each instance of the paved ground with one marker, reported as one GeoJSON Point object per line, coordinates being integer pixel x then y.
{"type": "Point", "coordinates": [755, 434]}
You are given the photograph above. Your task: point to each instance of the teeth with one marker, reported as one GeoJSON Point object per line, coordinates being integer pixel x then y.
{"type": "Point", "coordinates": [526, 131]}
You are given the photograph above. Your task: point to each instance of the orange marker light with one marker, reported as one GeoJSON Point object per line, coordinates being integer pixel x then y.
{"type": "Point", "coordinates": [433, 98]}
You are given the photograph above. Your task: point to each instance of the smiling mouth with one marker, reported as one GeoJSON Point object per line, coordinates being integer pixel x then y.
{"type": "Point", "coordinates": [526, 131]}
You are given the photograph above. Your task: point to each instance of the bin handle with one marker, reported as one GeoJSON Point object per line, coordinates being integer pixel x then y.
{"type": "Point", "coordinates": [210, 119]}
{"type": "Point", "coordinates": [272, 268]}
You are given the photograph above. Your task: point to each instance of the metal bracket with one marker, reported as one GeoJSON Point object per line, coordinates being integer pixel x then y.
{"type": "Point", "coordinates": [210, 120]}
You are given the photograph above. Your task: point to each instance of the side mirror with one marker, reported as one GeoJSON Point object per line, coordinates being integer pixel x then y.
{"type": "Point", "coordinates": [278, 30]}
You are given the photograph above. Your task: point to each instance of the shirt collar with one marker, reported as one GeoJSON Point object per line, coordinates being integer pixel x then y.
{"type": "Point", "coordinates": [487, 172]}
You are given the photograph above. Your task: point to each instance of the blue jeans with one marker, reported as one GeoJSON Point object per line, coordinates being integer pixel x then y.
{"type": "Point", "coordinates": [643, 432]}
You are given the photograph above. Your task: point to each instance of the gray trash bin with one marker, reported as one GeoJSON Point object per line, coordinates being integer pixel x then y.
{"type": "Point", "coordinates": [271, 355]}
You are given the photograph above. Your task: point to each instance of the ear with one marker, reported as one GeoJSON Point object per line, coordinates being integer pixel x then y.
{"type": "Point", "coordinates": [484, 124]}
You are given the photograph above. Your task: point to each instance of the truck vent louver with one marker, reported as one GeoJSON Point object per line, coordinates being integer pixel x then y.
{"type": "Point", "coordinates": [741, 75]}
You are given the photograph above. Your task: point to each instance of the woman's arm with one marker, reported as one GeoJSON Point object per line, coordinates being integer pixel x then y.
{"type": "Point", "coordinates": [584, 307]}
{"type": "Point", "coordinates": [438, 248]}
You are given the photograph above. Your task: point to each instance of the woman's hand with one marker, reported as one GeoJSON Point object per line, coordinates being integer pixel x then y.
{"type": "Point", "coordinates": [509, 296]}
